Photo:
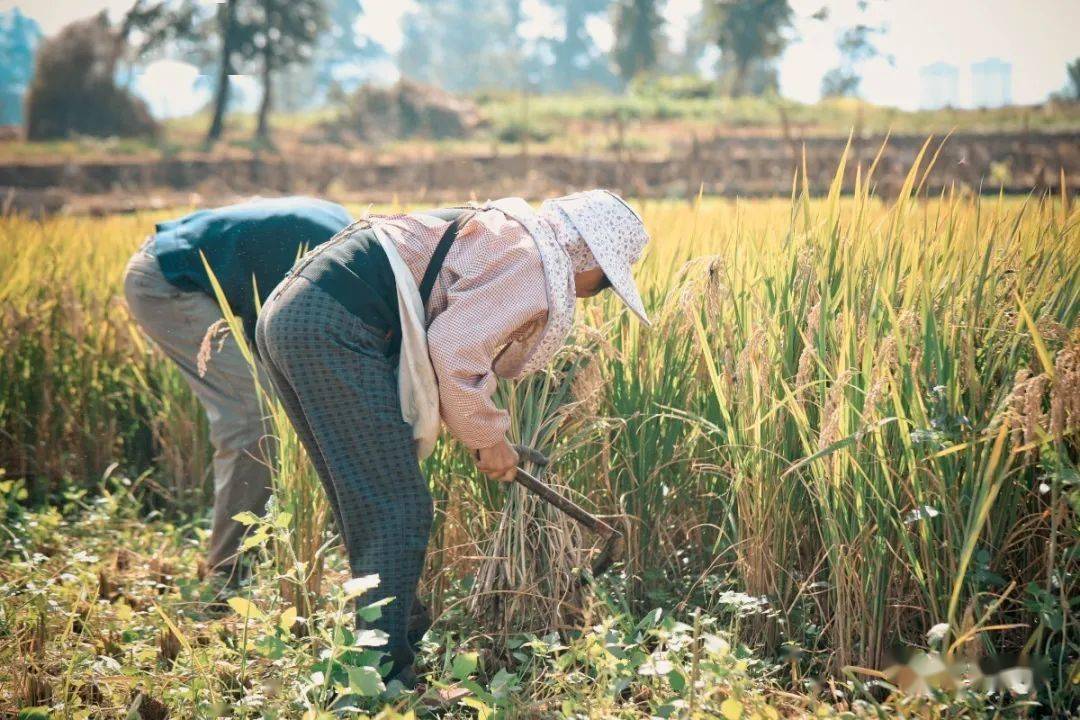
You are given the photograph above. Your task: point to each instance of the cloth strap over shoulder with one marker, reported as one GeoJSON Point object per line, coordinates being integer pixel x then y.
{"type": "Point", "coordinates": [431, 274]}
{"type": "Point", "coordinates": [418, 386]}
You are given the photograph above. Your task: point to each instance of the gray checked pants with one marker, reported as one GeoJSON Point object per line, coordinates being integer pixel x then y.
{"type": "Point", "coordinates": [176, 321]}
{"type": "Point", "coordinates": [339, 388]}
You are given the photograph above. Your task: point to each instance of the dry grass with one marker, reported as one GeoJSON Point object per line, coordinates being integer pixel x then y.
{"type": "Point", "coordinates": [530, 577]}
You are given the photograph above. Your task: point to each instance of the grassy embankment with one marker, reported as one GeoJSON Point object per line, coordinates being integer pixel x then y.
{"type": "Point", "coordinates": [644, 121]}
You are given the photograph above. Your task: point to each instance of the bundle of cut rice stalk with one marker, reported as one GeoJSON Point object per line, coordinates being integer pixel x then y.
{"type": "Point", "coordinates": [529, 579]}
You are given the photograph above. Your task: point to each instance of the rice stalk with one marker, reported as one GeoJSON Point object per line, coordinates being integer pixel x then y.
{"type": "Point", "coordinates": [298, 505]}
{"type": "Point", "coordinates": [529, 579]}
{"type": "Point", "coordinates": [718, 477]}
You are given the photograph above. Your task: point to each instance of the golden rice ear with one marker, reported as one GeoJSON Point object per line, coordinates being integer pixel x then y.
{"type": "Point", "coordinates": [217, 331]}
{"type": "Point", "coordinates": [1065, 393]}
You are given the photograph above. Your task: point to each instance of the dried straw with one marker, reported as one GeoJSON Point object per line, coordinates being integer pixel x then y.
{"type": "Point", "coordinates": [529, 579]}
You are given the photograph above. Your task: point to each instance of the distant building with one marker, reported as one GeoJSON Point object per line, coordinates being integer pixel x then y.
{"type": "Point", "coordinates": [940, 85]}
{"type": "Point", "coordinates": [991, 83]}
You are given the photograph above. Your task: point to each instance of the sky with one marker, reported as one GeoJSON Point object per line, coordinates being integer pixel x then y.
{"type": "Point", "coordinates": [1037, 37]}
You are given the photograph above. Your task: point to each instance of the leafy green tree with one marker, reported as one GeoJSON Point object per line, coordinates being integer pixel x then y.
{"type": "Point", "coordinates": [1073, 69]}
{"type": "Point", "coordinates": [343, 49]}
{"type": "Point", "coordinates": [450, 44]}
{"type": "Point", "coordinates": [149, 26]}
{"type": "Point", "coordinates": [573, 59]}
{"type": "Point", "coordinates": [637, 36]}
{"type": "Point", "coordinates": [19, 38]}
{"type": "Point", "coordinates": [856, 46]}
{"type": "Point", "coordinates": [205, 34]}
{"type": "Point", "coordinates": [516, 11]}
{"type": "Point", "coordinates": [688, 61]}
{"type": "Point", "coordinates": [274, 34]}
{"type": "Point", "coordinates": [258, 36]}
{"type": "Point", "coordinates": [750, 34]}
{"type": "Point", "coordinates": [515, 16]}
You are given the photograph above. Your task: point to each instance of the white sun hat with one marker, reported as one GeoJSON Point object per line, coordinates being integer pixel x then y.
{"type": "Point", "coordinates": [615, 234]}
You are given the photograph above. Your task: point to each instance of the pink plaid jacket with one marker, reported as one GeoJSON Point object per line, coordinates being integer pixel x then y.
{"type": "Point", "coordinates": [491, 290]}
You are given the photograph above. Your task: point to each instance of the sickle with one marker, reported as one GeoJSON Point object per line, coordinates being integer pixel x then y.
{"type": "Point", "coordinates": [544, 491]}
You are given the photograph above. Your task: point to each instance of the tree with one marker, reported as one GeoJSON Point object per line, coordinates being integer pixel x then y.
{"type": "Point", "coordinates": [856, 46]}
{"type": "Point", "coordinates": [637, 36]}
{"type": "Point", "coordinates": [688, 61]}
{"type": "Point", "coordinates": [572, 60]}
{"type": "Point", "coordinates": [148, 26]}
{"type": "Point", "coordinates": [569, 57]}
{"type": "Point", "coordinates": [1073, 69]}
{"type": "Point", "coordinates": [759, 77]}
{"type": "Point", "coordinates": [515, 16]}
{"type": "Point", "coordinates": [342, 50]}
{"type": "Point", "coordinates": [19, 38]}
{"type": "Point", "coordinates": [274, 34]}
{"type": "Point", "coordinates": [450, 44]}
{"type": "Point", "coordinates": [516, 13]}
{"type": "Point", "coordinates": [188, 29]}
{"type": "Point", "coordinates": [264, 37]}
{"type": "Point", "coordinates": [749, 33]}
{"type": "Point", "coordinates": [229, 37]}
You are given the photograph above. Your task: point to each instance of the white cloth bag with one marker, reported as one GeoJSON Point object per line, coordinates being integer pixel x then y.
{"type": "Point", "coordinates": [417, 384]}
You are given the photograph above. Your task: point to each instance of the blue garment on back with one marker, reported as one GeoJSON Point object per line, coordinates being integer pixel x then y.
{"type": "Point", "coordinates": [250, 247]}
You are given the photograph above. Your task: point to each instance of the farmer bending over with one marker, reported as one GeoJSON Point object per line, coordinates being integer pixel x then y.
{"type": "Point", "coordinates": [403, 319]}
{"type": "Point", "coordinates": [250, 247]}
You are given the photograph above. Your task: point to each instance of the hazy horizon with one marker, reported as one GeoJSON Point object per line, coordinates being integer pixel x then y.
{"type": "Point", "coordinates": [1037, 45]}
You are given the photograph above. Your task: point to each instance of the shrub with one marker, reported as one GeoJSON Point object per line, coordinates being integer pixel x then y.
{"type": "Point", "coordinates": [409, 109]}
{"type": "Point", "coordinates": [682, 87]}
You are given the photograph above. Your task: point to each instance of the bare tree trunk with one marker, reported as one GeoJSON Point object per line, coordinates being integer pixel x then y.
{"type": "Point", "coordinates": [262, 131]}
{"type": "Point", "coordinates": [226, 22]}
{"type": "Point", "coordinates": [738, 87]}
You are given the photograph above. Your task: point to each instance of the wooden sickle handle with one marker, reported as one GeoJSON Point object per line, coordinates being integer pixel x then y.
{"type": "Point", "coordinates": [568, 506]}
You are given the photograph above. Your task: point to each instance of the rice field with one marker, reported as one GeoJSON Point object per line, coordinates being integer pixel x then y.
{"type": "Point", "coordinates": [848, 447]}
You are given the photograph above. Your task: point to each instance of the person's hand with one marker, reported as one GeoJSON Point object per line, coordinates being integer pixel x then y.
{"type": "Point", "coordinates": [498, 462]}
